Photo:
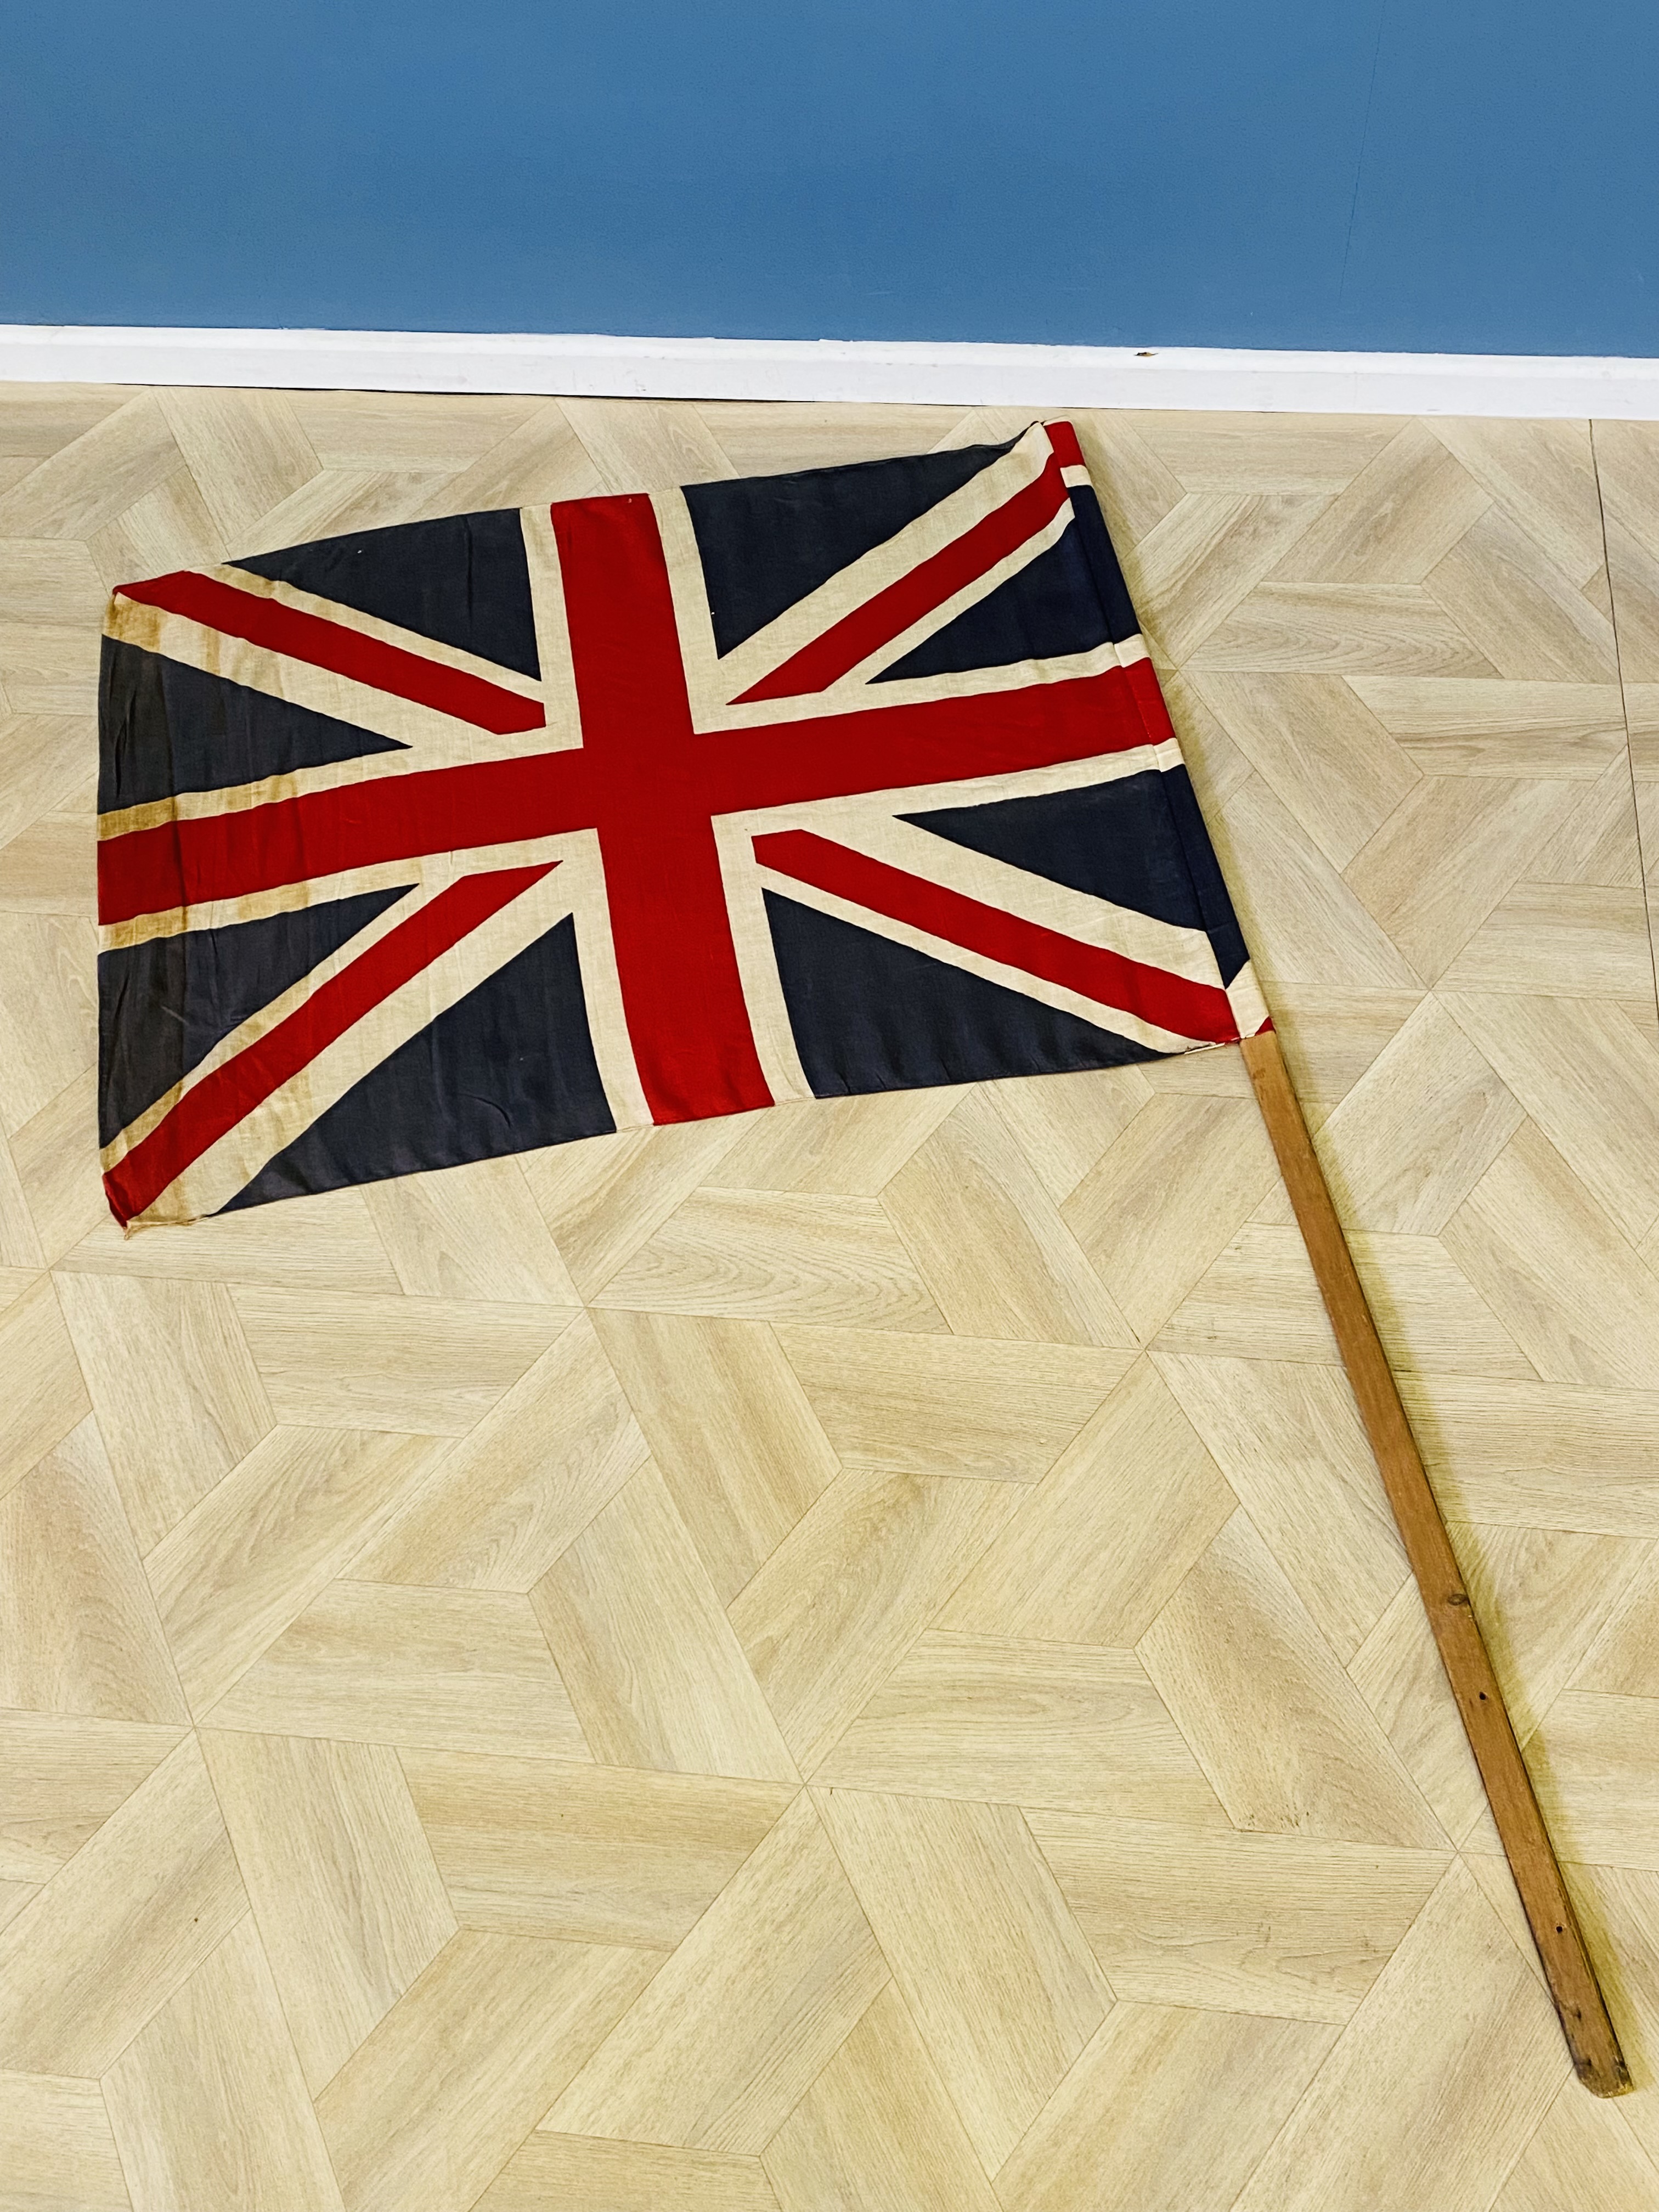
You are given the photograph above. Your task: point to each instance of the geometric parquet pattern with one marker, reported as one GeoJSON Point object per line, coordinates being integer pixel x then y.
{"type": "Point", "coordinates": [856, 1657]}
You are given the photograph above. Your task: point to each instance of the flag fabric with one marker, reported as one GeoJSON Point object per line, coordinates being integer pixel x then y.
{"type": "Point", "coordinates": [430, 844]}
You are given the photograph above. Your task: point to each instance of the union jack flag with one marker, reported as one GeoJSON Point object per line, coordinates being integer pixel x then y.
{"type": "Point", "coordinates": [430, 844]}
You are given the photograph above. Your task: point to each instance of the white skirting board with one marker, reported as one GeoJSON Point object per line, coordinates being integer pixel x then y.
{"type": "Point", "coordinates": [1035, 376]}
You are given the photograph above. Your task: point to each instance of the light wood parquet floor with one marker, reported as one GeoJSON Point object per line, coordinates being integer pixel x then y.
{"type": "Point", "coordinates": [855, 1658]}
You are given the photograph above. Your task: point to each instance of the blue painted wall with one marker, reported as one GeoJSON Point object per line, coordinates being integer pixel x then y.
{"type": "Point", "coordinates": [1467, 175]}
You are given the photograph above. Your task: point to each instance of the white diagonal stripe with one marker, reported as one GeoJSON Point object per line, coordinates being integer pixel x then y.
{"type": "Point", "coordinates": [938, 618]}
{"type": "Point", "coordinates": [342, 616]}
{"type": "Point", "coordinates": [227, 1166]}
{"type": "Point", "coordinates": [860, 581]}
{"type": "Point", "coordinates": [1033, 898]}
{"type": "Point", "coordinates": [839, 817]}
{"type": "Point", "coordinates": [429, 879]}
{"type": "Point", "coordinates": [1119, 1020]}
{"type": "Point", "coordinates": [708, 686]}
{"type": "Point", "coordinates": [440, 741]}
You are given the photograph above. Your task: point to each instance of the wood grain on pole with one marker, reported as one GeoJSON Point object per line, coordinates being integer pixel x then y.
{"type": "Point", "coordinates": [1578, 1999]}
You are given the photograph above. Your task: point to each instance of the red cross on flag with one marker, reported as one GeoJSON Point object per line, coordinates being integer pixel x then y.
{"type": "Point", "coordinates": [434, 843]}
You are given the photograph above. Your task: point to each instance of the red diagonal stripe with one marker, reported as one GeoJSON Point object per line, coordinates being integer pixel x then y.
{"type": "Point", "coordinates": [222, 1099]}
{"type": "Point", "coordinates": [329, 645]}
{"type": "Point", "coordinates": [1189, 1009]}
{"type": "Point", "coordinates": [927, 585]}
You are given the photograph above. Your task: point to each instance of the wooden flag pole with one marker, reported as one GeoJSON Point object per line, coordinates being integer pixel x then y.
{"type": "Point", "coordinates": [1578, 1995]}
